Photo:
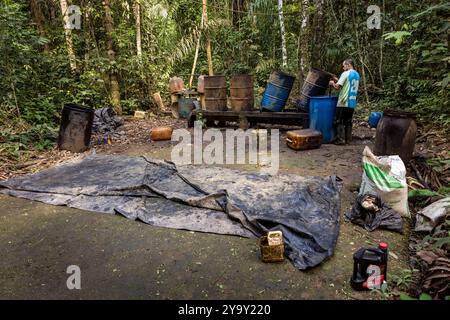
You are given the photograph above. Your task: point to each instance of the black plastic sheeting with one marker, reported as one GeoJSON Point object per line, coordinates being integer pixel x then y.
{"type": "Point", "coordinates": [106, 120]}
{"type": "Point", "coordinates": [198, 198]}
{"type": "Point", "coordinates": [371, 213]}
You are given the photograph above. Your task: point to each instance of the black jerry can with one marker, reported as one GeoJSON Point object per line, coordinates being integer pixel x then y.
{"type": "Point", "coordinates": [369, 267]}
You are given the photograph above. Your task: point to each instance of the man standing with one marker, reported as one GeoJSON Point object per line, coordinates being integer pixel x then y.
{"type": "Point", "coordinates": [348, 85]}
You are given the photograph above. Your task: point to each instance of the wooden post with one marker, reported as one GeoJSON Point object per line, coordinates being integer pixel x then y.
{"type": "Point", "coordinates": [159, 101]}
{"type": "Point", "coordinates": [208, 41]}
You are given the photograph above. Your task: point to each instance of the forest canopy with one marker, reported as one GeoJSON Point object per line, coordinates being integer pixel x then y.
{"type": "Point", "coordinates": [126, 50]}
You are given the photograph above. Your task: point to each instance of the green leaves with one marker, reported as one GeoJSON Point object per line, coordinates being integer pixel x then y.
{"type": "Point", "coordinates": [398, 36]}
{"type": "Point", "coordinates": [423, 296]}
{"type": "Point", "coordinates": [421, 193]}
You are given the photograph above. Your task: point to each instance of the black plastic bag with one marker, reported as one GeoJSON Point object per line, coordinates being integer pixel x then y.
{"type": "Point", "coordinates": [106, 120]}
{"type": "Point", "coordinates": [371, 213]}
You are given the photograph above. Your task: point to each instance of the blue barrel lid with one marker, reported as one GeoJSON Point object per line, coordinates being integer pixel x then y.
{"type": "Point", "coordinates": [323, 97]}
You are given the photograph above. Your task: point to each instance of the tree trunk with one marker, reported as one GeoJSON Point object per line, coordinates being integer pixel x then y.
{"type": "Point", "coordinates": [197, 47]}
{"type": "Point", "coordinates": [113, 80]}
{"type": "Point", "coordinates": [208, 41]}
{"type": "Point", "coordinates": [360, 55]}
{"type": "Point", "coordinates": [380, 69]}
{"type": "Point", "coordinates": [303, 46]}
{"type": "Point", "coordinates": [38, 18]}
{"type": "Point", "coordinates": [237, 8]}
{"type": "Point", "coordinates": [318, 31]}
{"type": "Point", "coordinates": [68, 34]}
{"type": "Point", "coordinates": [137, 12]}
{"type": "Point", "coordinates": [283, 33]}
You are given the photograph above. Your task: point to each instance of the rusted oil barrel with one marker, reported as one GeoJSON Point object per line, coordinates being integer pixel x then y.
{"type": "Point", "coordinates": [215, 93]}
{"type": "Point", "coordinates": [316, 84]}
{"type": "Point", "coordinates": [241, 92]}
{"type": "Point", "coordinates": [277, 91]}
{"type": "Point", "coordinates": [176, 85]}
{"type": "Point", "coordinates": [396, 135]}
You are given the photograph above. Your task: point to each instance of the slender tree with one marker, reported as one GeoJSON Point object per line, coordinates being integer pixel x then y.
{"type": "Point", "coordinates": [208, 40]}
{"type": "Point", "coordinates": [68, 35]}
{"type": "Point", "coordinates": [303, 40]}
{"type": "Point", "coordinates": [137, 13]}
{"type": "Point", "coordinates": [283, 33]}
{"type": "Point", "coordinates": [113, 79]}
{"type": "Point", "coordinates": [39, 19]}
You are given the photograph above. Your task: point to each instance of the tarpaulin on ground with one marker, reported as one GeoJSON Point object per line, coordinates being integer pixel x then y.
{"type": "Point", "coordinates": [198, 198]}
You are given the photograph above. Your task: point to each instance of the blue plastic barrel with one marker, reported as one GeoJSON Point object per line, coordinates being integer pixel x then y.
{"type": "Point", "coordinates": [321, 116]}
{"type": "Point", "coordinates": [374, 118]}
{"type": "Point", "coordinates": [277, 91]}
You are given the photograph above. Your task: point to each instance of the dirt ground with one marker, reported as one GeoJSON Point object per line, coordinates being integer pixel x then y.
{"type": "Point", "coordinates": [123, 259]}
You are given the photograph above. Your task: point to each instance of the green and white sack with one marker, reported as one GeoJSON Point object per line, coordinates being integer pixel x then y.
{"type": "Point", "coordinates": [385, 176]}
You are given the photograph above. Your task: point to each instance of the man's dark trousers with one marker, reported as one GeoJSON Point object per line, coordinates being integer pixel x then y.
{"type": "Point", "coordinates": [343, 125]}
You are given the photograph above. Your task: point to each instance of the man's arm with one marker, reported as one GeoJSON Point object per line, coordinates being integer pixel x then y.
{"type": "Point", "coordinates": [338, 83]}
{"type": "Point", "coordinates": [334, 84]}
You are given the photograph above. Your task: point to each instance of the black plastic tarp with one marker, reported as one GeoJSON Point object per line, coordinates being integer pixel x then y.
{"type": "Point", "coordinates": [198, 198]}
{"type": "Point", "coordinates": [106, 120]}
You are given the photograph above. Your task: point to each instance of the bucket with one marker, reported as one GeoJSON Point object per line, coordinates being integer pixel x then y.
{"type": "Point", "coordinates": [76, 128]}
{"type": "Point", "coordinates": [321, 116]}
{"type": "Point", "coordinates": [374, 118]}
{"type": "Point", "coordinates": [185, 106]}
{"type": "Point", "coordinates": [316, 84]}
{"type": "Point", "coordinates": [277, 91]}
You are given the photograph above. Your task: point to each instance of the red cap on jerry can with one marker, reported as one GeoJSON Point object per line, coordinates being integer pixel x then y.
{"type": "Point", "coordinates": [383, 246]}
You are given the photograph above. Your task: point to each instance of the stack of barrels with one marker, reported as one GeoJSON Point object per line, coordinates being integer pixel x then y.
{"type": "Point", "coordinates": [214, 92]}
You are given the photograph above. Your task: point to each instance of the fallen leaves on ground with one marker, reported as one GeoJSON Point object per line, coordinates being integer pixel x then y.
{"type": "Point", "coordinates": [133, 131]}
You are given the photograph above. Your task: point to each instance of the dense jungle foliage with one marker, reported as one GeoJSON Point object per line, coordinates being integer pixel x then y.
{"type": "Point", "coordinates": [126, 50]}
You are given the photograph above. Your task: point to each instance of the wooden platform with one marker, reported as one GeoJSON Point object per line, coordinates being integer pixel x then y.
{"type": "Point", "coordinates": [252, 117]}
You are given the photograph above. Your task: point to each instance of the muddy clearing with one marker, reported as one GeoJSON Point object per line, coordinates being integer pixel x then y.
{"type": "Point", "coordinates": [125, 259]}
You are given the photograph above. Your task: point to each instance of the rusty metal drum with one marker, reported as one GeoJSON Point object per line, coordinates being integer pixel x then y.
{"type": "Point", "coordinates": [215, 93]}
{"type": "Point", "coordinates": [315, 84]}
{"type": "Point", "coordinates": [396, 135]}
{"type": "Point", "coordinates": [176, 85]}
{"type": "Point", "coordinates": [241, 92]}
